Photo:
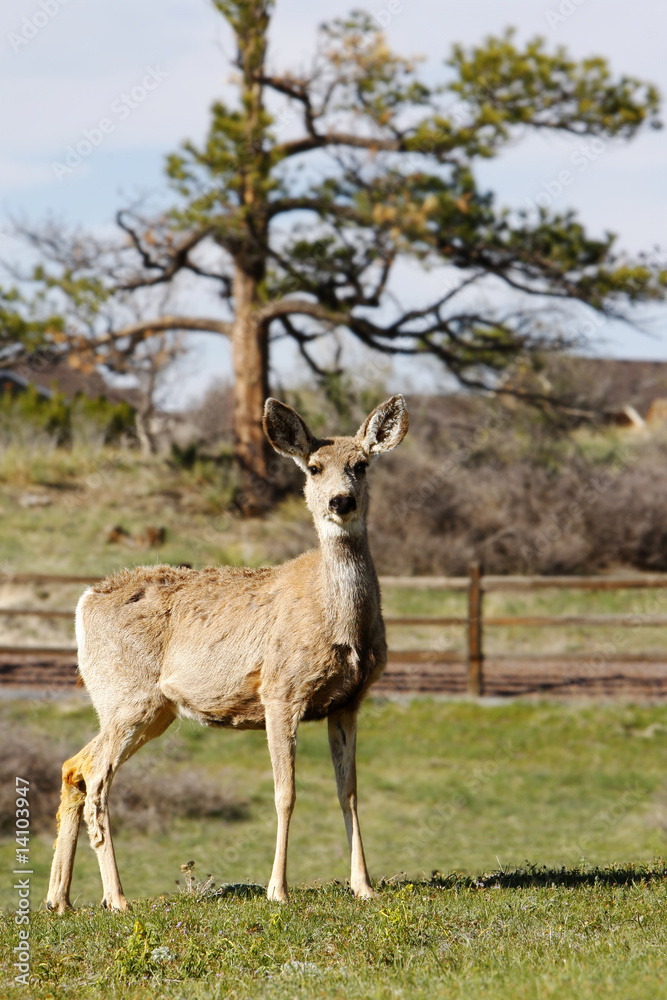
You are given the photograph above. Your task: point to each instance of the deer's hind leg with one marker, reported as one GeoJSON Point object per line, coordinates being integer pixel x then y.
{"type": "Point", "coordinates": [68, 820]}
{"type": "Point", "coordinates": [121, 744]}
{"type": "Point", "coordinates": [87, 781]}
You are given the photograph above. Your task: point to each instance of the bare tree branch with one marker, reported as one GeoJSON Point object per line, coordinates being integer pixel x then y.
{"type": "Point", "coordinates": [147, 328]}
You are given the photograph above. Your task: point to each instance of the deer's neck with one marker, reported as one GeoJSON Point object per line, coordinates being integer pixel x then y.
{"type": "Point", "coordinates": [349, 584]}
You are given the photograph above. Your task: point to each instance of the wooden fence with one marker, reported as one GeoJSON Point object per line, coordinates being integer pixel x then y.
{"type": "Point", "coordinates": [475, 623]}
{"type": "Point", "coordinates": [476, 585]}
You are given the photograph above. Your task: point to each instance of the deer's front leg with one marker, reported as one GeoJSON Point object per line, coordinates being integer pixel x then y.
{"type": "Point", "coordinates": [281, 725]}
{"type": "Point", "coordinates": [343, 745]}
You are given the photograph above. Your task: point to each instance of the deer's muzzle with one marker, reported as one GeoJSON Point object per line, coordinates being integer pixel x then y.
{"type": "Point", "coordinates": [342, 504]}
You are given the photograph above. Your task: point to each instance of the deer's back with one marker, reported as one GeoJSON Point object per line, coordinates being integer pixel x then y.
{"type": "Point", "coordinates": [213, 641]}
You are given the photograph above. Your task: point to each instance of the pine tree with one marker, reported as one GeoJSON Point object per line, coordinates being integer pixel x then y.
{"type": "Point", "coordinates": [299, 218]}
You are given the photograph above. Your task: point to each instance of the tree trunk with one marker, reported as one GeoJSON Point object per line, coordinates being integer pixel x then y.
{"type": "Point", "coordinates": [144, 434]}
{"type": "Point", "coordinates": [144, 414]}
{"type": "Point", "coordinates": [250, 346]}
{"type": "Point", "coordinates": [250, 358]}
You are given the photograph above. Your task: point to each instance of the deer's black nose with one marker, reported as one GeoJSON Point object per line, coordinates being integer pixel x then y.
{"type": "Point", "coordinates": [343, 504]}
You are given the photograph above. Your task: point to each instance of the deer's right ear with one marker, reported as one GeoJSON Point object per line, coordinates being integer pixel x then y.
{"type": "Point", "coordinates": [288, 434]}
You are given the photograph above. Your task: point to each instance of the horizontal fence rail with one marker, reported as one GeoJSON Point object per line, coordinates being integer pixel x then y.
{"type": "Point", "coordinates": [525, 621]}
{"type": "Point", "coordinates": [489, 583]}
{"type": "Point", "coordinates": [477, 584]}
{"type": "Point", "coordinates": [474, 623]}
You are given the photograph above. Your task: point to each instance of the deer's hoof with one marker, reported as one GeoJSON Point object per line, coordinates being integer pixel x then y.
{"type": "Point", "coordinates": [120, 904]}
{"type": "Point", "coordinates": [365, 892]}
{"type": "Point", "coordinates": [277, 893]}
{"type": "Point", "coordinates": [59, 906]}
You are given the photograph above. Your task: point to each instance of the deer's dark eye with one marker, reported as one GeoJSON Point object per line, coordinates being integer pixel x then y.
{"type": "Point", "coordinates": [314, 470]}
{"type": "Point", "coordinates": [359, 468]}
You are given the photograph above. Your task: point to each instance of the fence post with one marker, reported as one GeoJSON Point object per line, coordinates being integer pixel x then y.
{"type": "Point", "coordinates": [475, 652]}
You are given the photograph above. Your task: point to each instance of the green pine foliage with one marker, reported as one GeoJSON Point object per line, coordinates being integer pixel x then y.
{"type": "Point", "coordinates": [21, 324]}
{"type": "Point", "coordinates": [314, 184]}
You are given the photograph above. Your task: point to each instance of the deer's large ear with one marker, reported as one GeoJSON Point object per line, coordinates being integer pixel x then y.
{"type": "Point", "coordinates": [288, 434]}
{"type": "Point", "coordinates": [385, 427]}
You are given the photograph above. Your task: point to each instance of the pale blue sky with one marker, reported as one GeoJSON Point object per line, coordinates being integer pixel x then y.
{"type": "Point", "coordinates": [85, 54]}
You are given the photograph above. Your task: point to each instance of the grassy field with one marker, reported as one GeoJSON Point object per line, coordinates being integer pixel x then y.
{"type": "Point", "coordinates": [588, 935]}
{"type": "Point", "coordinates": [57, 508]}
{"type": "Point", "coordinates": [88, 491]}
{"type": "Point", "coordinates": [545, 822]}
{"type": "Point", "coordinates": [517, 847]}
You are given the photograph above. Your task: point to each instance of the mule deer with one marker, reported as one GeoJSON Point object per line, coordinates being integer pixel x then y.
{"type": "Point", "coordinates": [250, 649]}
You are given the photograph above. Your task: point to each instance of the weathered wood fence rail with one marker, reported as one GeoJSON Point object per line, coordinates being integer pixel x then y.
{"type": "Point", "coordinates": [475, 585]}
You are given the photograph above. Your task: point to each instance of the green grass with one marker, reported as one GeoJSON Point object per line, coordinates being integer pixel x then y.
{"type": "Point", "coordinates": [590, 936]}
{"type": "Point", "coordinates": [551, 815]}
{"type": "Point", "coordinates": [90, 490]}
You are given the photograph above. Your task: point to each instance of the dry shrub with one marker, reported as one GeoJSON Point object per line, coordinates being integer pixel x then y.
{"type": "Point", "coordinates": [150, 801]}
{"type": "Point", "coordinates": [508, 488]}
{"type": "Point", "coordinates": [142, 798]}
{"type": "Point", "coordinates": [484, 479]}
{"type": "Point", "coordinates": [212, 419]}
{"type": "Point", "coordinates": [28, 756]}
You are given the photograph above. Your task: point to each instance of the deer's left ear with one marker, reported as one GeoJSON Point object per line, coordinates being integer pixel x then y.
{"type": "Point", "coordinates": [385, 427]}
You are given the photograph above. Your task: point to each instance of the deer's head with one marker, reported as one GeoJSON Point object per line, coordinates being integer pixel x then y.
{"type": "Point", "coordinates": [336, 490]}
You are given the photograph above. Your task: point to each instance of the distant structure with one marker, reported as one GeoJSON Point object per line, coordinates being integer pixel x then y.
{"type": "Point", "coordinates": [632, 393]}
{"type": "Point", "coordinates": [49, 375]}
{"type": "Point", "coordinates": [620, 393]}
{"type": "Point", "coordinates": [11, 383]}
